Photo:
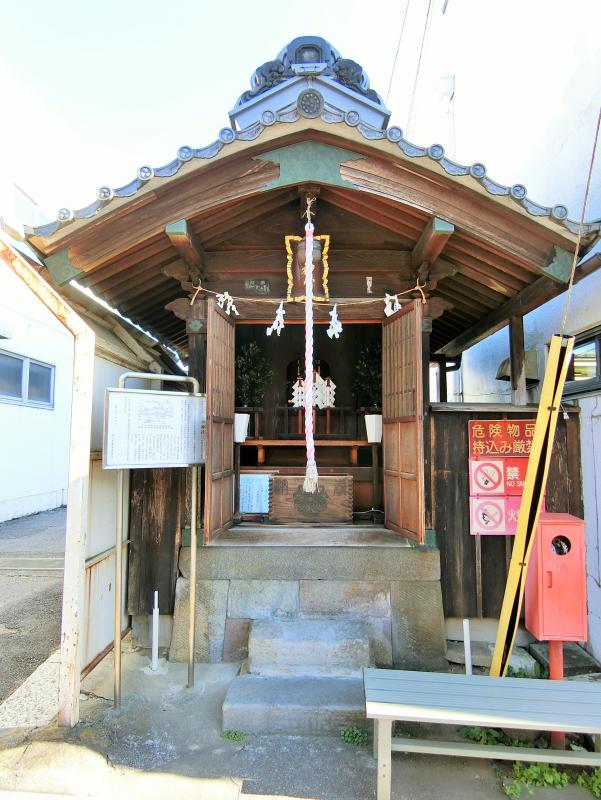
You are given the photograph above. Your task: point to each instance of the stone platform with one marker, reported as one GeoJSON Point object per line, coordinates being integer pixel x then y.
{"type": "Point", "coordinates": [366, 574]}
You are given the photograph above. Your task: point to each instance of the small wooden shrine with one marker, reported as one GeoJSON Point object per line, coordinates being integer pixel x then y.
{"type": "Point", "coordinates": [418, 256]}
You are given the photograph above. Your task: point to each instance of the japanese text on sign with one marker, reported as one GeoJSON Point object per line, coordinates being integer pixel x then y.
{"type": "Point", "coordinates": [495, 515]}
{"type": "Point", "coordinates": [500, 437]}
{"type": "Point", "coordinates": [147, 428]}
{"type": "Point", "coordinates": [254, 494]}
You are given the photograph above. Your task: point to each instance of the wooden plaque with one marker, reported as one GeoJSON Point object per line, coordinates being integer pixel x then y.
{"type": "Point", "coordinates": [288, 503]}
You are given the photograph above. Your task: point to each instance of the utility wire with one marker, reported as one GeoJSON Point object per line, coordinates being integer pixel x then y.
{"type": "Point", "coordinates": [580, 226]}
{"type": "Point", "coordinates": [396, 55]}
{"type": "Point", "coordinates": [419, 63]}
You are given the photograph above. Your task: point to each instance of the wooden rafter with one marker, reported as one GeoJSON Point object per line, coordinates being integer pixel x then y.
{"type": "Point", "coordinates": [430, 245]}
{"type": "Point", "coordinates": [187, 246]}
{"type": "Point", "coordinates": [531, 297]}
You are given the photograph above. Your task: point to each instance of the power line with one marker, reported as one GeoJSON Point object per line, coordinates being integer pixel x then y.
{"type": "Point", "coordinates": [419, 63]}
{"type": "Point", "coordinates": [396, 55]}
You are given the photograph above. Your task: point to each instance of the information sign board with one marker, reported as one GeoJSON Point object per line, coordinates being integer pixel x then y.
{"type": "Point", "coordinates": [147, 428]}
{"type": "Point", "coordinates": [500, 437]}
{"type": "Point", "coordinates": [254, 494]}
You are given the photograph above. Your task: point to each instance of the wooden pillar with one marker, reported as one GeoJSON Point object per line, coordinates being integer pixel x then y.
{"type": "Point", "coordinates": [442, 380]}
{"type": "Point", "coordinates": [426, 331]}
{"type": "Point", "coordinates": [237, 514]}
{"type": "Point", "coordinates": [519, 396]}
{"type": "Point", "coordinates": [196, 328]}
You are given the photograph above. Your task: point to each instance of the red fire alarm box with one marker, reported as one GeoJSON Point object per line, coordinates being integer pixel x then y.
{"type": "Point", "coordinates": [556, 580]}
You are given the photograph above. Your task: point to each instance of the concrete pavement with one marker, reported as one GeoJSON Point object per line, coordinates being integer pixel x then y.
{"type": "Point", "coordinates": [166, 742]}
{"type": "Point", "coordinates": [31, 579]}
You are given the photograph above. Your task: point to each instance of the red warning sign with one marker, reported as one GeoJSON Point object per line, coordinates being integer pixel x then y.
{"type": "Point", "coordinates": [503, 476]}
{"type": "Point", "coordinates": [490, 438]}
{"type": "Point", "coordinates": [488, 515]}
{"type": "Point", "coordinates": [495, 515]}
{"type": "Point", "coordinates": [486, 477]}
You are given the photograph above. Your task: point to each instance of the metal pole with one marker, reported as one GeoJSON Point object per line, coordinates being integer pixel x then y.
{"type": "Point", "coordinates": [558, 738]}
{"type": "Point", "coordinates": [192, 591]}
{"type": "Point", "coordinates": [118, 572]}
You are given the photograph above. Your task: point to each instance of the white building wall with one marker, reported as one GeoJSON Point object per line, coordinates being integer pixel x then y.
{"type": "Point", "coordinates": [34, 441]}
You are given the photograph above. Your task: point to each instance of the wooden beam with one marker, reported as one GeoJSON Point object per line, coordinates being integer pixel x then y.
{"type": "Point", "coordinates": [61, 268]}
{"type": "Point", "coordinates": [374, 212]}
{"type": "Point", "coordinates": [519, 395]}
{"type": "Point", "coordinates": [531, 297]}
{"type": "Point", "coordinates": [505, 228]}
{"type": "Point", "coordinates": [223, 223]}
{"type": "Point", "coordinates": [431, 243]}
{"type": "Point", "coordinates": [187, 245]}
{"type": "Point", "coordinates": [256, 262]}
{"type": "Point", "coordinates": [125, 228]}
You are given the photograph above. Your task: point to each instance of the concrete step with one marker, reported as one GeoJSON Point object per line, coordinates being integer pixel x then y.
{"type": "Point", "coordinates": [576, 660]}
{"type": "Point", "coordinates": [303, 706]}
{"type": "Point", "coordinates": [482, 652]}
{"type": "Point", "coordinates": [308, 647]}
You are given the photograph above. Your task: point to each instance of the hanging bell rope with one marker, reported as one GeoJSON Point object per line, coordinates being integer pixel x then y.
{"type": "Point", "coordinates": [311, 477]}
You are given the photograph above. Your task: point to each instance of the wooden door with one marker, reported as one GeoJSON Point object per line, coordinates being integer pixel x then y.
{"type": "Point", "coordinates": [402, 423]}
{"type": "Point", "coordinates": [219, 466]}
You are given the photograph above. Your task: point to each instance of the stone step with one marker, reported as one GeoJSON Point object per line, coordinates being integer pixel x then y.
{"type": "Point", "coordinates": [308, 647]}
{"type": "Point", "coordinates": [294, 705]}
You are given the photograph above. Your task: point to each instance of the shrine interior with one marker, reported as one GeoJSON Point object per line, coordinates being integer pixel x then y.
{"type": "Point", "coordinates": [341, 424]}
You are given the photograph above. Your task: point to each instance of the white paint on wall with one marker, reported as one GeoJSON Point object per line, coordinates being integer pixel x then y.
{"type": "Point", "coordinates": [34, 441]}
{"type": "Point", "coordinates": [590, 422]}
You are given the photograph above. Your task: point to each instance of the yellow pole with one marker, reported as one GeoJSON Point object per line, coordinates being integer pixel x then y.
{"type": "Point", "coordinates": [560, 352]}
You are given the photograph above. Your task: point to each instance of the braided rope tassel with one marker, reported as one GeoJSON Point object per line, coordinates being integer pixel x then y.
{"type": "Point", "coordinates": [311, 476]}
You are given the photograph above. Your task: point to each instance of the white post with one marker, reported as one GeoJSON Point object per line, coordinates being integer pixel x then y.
{"type": "Point", "coordinates": [155, 633]}
{"type": "Point", "coordinates": [118, 589]}
{"type": "Point", "coordinates": [73, 623]}
{"type": "Point", "coordinates": [467, 647]}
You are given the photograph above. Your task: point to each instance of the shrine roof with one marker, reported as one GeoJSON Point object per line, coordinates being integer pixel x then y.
{"type": "Point", "coordinates": [429, 156]}
{"type": "Point", "coordinates": [397, 212]}
{"type": "Point", "coordinates": [309, 79]}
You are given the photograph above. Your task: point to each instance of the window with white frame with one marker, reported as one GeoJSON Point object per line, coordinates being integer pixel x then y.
{"type": "Point", "coordinates": [25, 380]}
{"type": "Point", "coordinates": [584, 372]}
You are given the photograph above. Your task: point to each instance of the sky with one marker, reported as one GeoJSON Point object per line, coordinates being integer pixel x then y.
{"type": "Point", "coordinates": [93, 91]}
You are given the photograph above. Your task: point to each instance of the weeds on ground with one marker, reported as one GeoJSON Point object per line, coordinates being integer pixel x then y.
{"type": "Point", "coordinates": [590, 781]}
{"type": "Point", "coordinates": [533, 775]}
{"type": "Point", "coordinates": [233, 736]}
{"type": "Point", "coordinates": [539, 672]}
{"type": "Point", "coordinates": [491, 736]}
{"type": "Point", "coordinates": [544, 775]}
{"type": "Point", "coordinates": [353, 735]}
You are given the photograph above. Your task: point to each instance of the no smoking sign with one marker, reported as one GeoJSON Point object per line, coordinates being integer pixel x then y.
{"type": "Point", "coordinates": [487, 477]}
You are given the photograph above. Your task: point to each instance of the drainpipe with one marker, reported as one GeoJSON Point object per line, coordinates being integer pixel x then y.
{"type": "Point", "coordinates": [72, 628]}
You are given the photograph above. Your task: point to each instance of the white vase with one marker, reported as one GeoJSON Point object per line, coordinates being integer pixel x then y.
{"type": "Point", "coordinates": [373, 425]}
{"type": "Point", "coordinates": [241, 422]}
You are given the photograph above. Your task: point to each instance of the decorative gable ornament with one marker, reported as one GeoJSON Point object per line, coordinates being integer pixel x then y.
{"type": "Point", "coordinates": [309, 79]}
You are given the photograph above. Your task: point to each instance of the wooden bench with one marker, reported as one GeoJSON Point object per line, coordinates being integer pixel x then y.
{"type": "Point", "coordinates": [465, 700]}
